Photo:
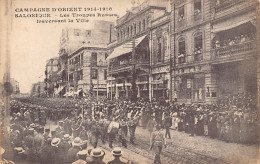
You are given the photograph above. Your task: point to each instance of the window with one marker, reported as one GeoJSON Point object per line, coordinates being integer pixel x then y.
{"type": "Point", "coordinates": [71, 77]}
{"type": "Point", "coordinates": [197, 7]}
{"type": "Point", "coordinates": [198, 89]}
{"type": "Point", "coordinates": [181, 15]}
{"type": "Point", "coordinates": [118, 36]}
{"type": "Point", "coordinates": [94, 73]}
{"type": "Point", "coordinates": [131, 30]}
{"type": "Point", "coordinates": [128, 31]}
{"type": "Point", "coordinates": [81, 58]}
{"type": "Point", "coordinates": [106, 55]}
{"type": "Point", "coordinates": [144, 24]}
{"type": "Point", "coordinates": [88, 33]}
{"type": "Point", "coordinates": [121, 36]}
{"type": "Point", "coordinates": [134, 29]}
{"type": "Point", "coordinates": [105, 74]}
{"type": "Point", "coordinates": [140, 26]}
{"type": "Point", "coordinates": [181, 51]}
{"type": "Point", "coordinates": [161, 49]}
{"type": "Point", "coordinates": [80, 75]}
{"type": "Point", "coordinates": [198, 47]}
{"type": "Point", "coordinates": [185, 89]}
{"type": "Point", "coordinates": [159, 54]}
{"type": "Point", "coordinates": [94, 59]}
{"type": "Point", "coordinates": [76, 32]}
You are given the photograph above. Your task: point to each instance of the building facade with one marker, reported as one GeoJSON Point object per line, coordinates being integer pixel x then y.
{"type": "Point", "coordinates": [38, 89]}
{"type": "Point", "coordinates": [51, 75]}
{"type": "Point", "coordinates": [15, 85]}
{"type": "Point", "coordinates": [87, 69]}
{"type": "Point", "coordinates": [160, 57]}
{"type": "Point", "coordinates": [129, 60]}
{"type": "Point", "coordinates": [214, 46]}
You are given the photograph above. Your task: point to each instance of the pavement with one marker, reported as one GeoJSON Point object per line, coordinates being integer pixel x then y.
{"type": "Point", "coordinates": [184, 149]}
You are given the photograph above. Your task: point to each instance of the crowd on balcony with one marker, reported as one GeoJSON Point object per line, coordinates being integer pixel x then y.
{"type": "Point", "coordinates": [235, 40]}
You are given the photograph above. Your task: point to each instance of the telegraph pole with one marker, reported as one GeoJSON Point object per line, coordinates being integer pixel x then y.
{"type": "Point", "coordinates": [111, 82]}
{"type": "Point", "coordinates": [90, 79]}
{"type": "Point", "coordinates": [134, 92]}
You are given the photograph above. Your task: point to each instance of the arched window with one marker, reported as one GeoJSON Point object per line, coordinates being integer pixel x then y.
{"type": "Point", "coordinates": [198, 46]}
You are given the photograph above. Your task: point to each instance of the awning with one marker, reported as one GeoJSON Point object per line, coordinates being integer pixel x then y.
{"type": "Point", "coordinates": [78, 91]}
{"type": "Point", "coordinates": [236, 21]}
{"type": "Point", "coordinates": [125, 48]}
{"type": "Point", "coordinates": [59, 90]}
{"type": "Point", "coordinates": [67, 94]}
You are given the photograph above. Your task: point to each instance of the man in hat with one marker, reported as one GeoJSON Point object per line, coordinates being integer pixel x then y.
{"type": "Point", "coordinates": [65, 143]}
{"type": "Point", "coordinates": [157, 143]}
{"type": "Point", "coordinates": [117, 153]}
{"type": "Point", "coordinates": [132, 127]}
{"type": "Point", "coordinates": [151, 124]}
{"type": "Point", "coordinates": [82, 155]}
{"type": "Point", "coordinates": [167, 124]}
{"type": "Point", "coordinates": [39, 141]}
{"type": "Point", "coordinates": [19, 156]}
{"type": "Point", "coordinates": [72, 152]}
{"type": "Point", "coordinates": [60, 129]}
{"type": "Point", "coordinates": [56, 155]}
{"type": "Point", "coordinates": [97, 155]}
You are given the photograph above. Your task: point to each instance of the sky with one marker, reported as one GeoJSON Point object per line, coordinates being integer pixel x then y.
{"type": "Point", "coordinates": [32, 44]}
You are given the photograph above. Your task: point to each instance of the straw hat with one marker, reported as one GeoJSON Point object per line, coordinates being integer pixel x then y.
{"type": "Point", "coordinates": [55, 142]}
{"type": "Point", "coordinates": [117, 151]}
{"type": "Point", "coordinates": [77, 142]}
{"type": "Point", "coordinates": [19, 150]}
{"type": "Point", "coordinates": [82, 152]}
{"type": "Point", "coordinates": [97, 152]}
{"type": "Point", "coordinates": [66, 137]}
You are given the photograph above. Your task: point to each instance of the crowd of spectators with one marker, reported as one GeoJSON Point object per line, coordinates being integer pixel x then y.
{"type": "Point", "coordinates": [82, 121]}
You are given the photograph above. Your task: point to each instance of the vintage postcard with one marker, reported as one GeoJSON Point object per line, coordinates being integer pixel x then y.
{"type": "Point", "coordinates": [129, 81]}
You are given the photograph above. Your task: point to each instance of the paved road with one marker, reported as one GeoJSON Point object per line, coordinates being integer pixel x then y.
{"type": "Point", "coordinates": [183, 149]}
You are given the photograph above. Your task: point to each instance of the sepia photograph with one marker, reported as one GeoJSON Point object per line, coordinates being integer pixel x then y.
{"type": "Point", "coordinates": [129, 82]}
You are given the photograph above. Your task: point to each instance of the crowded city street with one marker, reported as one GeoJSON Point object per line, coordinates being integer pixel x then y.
{"type": "Point", "coordinates": [129, 82]}
{"type": "Point", "coordinates": [41, 126]}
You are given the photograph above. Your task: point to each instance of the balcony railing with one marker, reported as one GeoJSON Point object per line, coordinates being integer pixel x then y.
{"type": "Point", "coordinates": [235, 49]}
{"type": "Point", "coordinates": [226, 4]}
{"type": "Point", "coordinates": [154, 63]}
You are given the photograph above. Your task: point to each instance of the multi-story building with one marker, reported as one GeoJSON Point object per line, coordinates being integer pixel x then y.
{"type": "Point", "coordinates": [15, 85]}
{"type": "Point", "coordinates": [160, 57]}
{"type": "Point", "coordinates": [87, 64]}
{"type": "Point", "coordinates": [129, 60]}
{"type": "Point", "coordinates": [38, 89]}
{"type": "Point", "coordinates": [214, 42]}
{"type": "Point", "coordinates": [51, 69]}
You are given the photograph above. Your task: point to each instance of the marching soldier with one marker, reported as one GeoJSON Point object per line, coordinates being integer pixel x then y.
{"type": "Point", "coordinates": [157, 143]}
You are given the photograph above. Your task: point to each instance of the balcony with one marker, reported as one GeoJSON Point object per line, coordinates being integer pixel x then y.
{"type": "Point", "coordinates": [234, 50]}
{"type": "Point", "coordinates": [226, 4]}
{"type": "Point", "coordinates": [161, 63]}
{"type": "Point", "coordinates": [198, 57]}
